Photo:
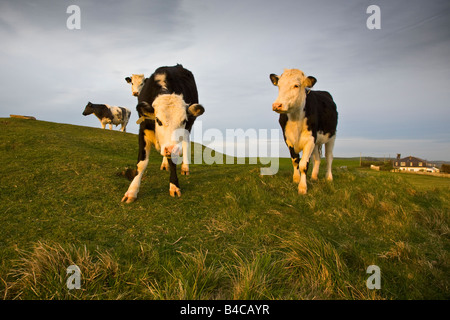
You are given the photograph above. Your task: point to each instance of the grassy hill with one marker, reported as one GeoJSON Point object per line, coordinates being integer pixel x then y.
{"type": "Point", "coordinates": [232, 235]}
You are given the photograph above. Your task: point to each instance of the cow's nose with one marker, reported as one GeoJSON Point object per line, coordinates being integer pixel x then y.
{"type": "Point", "coordinates": [135, 94]}
{"type": "Point", "coordinates": [168, 151]}
{"type": "Point", "coordinates": [277, 106]}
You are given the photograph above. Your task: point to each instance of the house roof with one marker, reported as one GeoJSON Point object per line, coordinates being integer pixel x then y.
{"type": "Point", "coordinates": [411, 159]}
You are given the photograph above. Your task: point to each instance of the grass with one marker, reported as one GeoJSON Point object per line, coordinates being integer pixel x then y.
{"type": "Point", "coordinates": [232, 235]}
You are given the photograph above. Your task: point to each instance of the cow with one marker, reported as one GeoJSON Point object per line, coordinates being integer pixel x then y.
{"type": "Point", "coordinates": [109, 115]}
{"type": "Point", "coordinates": [137, 83]}
{"type": "Point", "coordinates": [308, 120]}
{"type": "Point", "coordinates": [167, 104]}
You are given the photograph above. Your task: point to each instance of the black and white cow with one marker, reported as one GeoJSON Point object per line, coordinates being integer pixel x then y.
{"type": "Point", "coordinates": [137, 83]}
{"type": "Point", "coordinates": [308, 120]}
{"type": "Point", "coordinates": [168, 105]}
{"type": "Point", "coordinates": [109, 115]}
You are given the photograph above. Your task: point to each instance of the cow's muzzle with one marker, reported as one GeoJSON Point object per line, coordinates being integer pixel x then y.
{"type": "Point", "coordinates": [173, 150]}
{"type": "Point", "coordinates": [277, 107]}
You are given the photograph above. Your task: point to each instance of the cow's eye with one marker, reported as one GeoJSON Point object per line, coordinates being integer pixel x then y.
{"type": "Point", "coordinates": [296, 86]}
{"type": "Point", "coordinates": [158, 121]}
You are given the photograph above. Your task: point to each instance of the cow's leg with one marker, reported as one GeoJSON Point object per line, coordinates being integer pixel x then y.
{"type": "Point", "coordinates": [123, 128]}
{"type": "Point", "coordinates": [316, 158]}
{"type": "Point", "coordinates": [144, 151]}
{"type": "Point", "coordinates": [174, 187]}
{"type": "Point", "coordinates": [110, 126]}
{"type": "Point", "coordinates": [329, 156]}
{"type": "Point", "coordinates": [186, 154]}
{"type": "Point", "coordinates": [164, 164]}
{"type": "Point", "coordinates": [295, 163]}
{"type": "Point", "coordinates": [304, 162]}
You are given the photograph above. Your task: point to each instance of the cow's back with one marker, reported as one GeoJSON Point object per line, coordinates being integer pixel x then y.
{"type": "Point", "coordinates": [177, 79]}
{"type": "Point", "coordinates": [182, 81]}
{"type": "Point", "coordinates": [321, 112]}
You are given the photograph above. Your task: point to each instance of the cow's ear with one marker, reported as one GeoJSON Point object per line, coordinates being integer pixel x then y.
{"type": "Point", "coordinates": [274, 78]}
{"type": "Point", "coordinates": [310, 82]}
{"type": "Point", "coordinates": [196, 110]}
{"type": "Point", "coordinates": [128, 79]}
{"type": "Point", "coordinates": [144, 108]}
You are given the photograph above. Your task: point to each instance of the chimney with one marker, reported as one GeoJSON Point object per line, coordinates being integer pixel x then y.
{"type": "Point", "coordinates": [398, 156]}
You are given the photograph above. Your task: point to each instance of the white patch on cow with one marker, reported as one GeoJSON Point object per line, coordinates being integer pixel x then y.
{"type": "Point", "coordinates": [104, 122]}
{"type": "Point", "coordinates": [117, 117]}
{"type": "Point", "coordinates": [329, 146]}
{"type": "Point", "coordinates": [170, 116]}
{"type": "Point", "coordinates": [133, 189]}
{"type": "Point", "coordinates": [161, 79]}
{"type": "Point", "coordinates": [137, 83]}
{"type": "Point", "coordinates": [316, 158]}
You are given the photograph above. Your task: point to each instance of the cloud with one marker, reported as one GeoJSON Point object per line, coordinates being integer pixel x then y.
{"type": "Point", "coordinates": [388, 84]}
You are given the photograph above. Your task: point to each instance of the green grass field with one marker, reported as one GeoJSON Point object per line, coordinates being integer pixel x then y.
{"type": "Point", "coordinates": [232, 235]}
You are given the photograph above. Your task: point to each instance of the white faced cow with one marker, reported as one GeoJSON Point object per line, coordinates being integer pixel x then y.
{"type": "Point", "coordinates": [109, 115]}
{"type": "Point", "coordinates": [308, 120]}
{"type": "Point", "coordinates": [137, 83]}
{"type": "Point", "coordinates": [168, 104]}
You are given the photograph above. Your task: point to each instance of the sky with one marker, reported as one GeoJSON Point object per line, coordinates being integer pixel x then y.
{"type": "Point", "coordinates": [391, 85]}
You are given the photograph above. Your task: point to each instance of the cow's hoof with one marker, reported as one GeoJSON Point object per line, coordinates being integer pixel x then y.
{"type": "Point", "coordinates": [301, 189]}
{"type": "Point", "coordinates": [174, 191]}
{"type": "Point", "coordinates": [314, 178]}
{"type": "Point", "coordinates": [185, 169]}
{"type": "Point", "coordinates": [128, 198]}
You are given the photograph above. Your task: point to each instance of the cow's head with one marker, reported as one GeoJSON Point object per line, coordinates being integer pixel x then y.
{"type": "Point", "coordinates": [292, 86]}
{"type": "Point", "coordinates": [88, 110]}
{"type": "Point", "coordinates": [137, 82]}
{"type": "Point", "coordinates": [171, 114]}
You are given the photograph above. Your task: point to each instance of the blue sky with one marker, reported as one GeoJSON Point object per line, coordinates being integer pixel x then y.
{"type": "Point", "coordinates": [391, 85]}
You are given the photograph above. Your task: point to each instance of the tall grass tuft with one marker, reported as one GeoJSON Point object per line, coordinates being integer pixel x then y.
{"type": "Point", "coordinates": [41, 273]}
{"type": "Point", "coordinates": [317, 266]}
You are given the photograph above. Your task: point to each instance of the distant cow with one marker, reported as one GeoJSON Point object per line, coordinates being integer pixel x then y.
{"type": "Point", "coordinates": [168, 103]}
{"type": "Point", "coordinates": [109, 115]}
{"type": "Point", "coordinates": [308, 120]}
{"type": "Point", "coordinates": [137, 83]}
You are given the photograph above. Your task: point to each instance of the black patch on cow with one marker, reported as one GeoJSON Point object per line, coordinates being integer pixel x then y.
{"type": "Point", "coordinates": [295, 156]}
{"type": "Point", "coordinates": [321, 113]}
{"type": "Point", "coordinates": [100, 110]}
{"type": "Point", "coordinates": [282, 121]}
{"type": "Point", "coordinates": [173, 173]}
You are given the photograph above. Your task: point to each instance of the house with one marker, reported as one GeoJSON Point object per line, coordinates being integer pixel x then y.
{"type": "Point", "coordinates": [413, 164]}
